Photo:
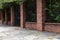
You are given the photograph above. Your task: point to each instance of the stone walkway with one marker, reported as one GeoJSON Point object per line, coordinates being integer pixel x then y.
{"type": "Point", "coordinates": [16, 33]}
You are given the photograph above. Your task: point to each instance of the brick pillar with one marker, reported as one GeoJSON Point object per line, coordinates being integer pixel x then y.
{"type": "Point", "coordinates": [0, 14]}
{"type": "Point", "coordinates": [39, 15]}
{"type": "Point", "coordinates": [12, 16]}
{"type": "Point", "coordinates": [22, 24]}
{"type": "Point", "coordinates": [1, 17]}
{"type": "Point", "coordinates": [6, 21]}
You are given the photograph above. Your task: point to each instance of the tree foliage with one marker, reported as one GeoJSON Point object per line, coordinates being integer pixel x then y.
{"type": "Point", "coordinates": [53, 9]}
{"type": "Point", "coordinates": [1, 4]}
{"type": "Point", "coordinates": [7, 3]}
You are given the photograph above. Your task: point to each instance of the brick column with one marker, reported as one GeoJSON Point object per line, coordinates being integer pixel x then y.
{"type": "Point", "coordinates": [39, 15]}
{"type": "Point", "coordinates": [6, 21]}
{"type": "Point", "coordinates": [1, 17]}
{"type": "Point", "coordinates": [12, 16]}
{"type": "Point", "coordinates": [21, 16]}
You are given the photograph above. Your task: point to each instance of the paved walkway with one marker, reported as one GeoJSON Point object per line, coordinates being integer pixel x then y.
{"type": "Point", "coordinates": [16, 33]}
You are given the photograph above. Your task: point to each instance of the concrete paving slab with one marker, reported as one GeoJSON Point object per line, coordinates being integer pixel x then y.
{"type": "Point", "coordinates": [16, 33]}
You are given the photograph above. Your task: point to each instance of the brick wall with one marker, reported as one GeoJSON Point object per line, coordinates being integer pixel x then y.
{"type": "Point", "coordinates": [52, 27]}
{"type": "Point", "coordinates": [31, 25]}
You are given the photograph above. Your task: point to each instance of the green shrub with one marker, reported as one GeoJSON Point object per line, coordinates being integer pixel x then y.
{"type": "Point", "coordinates": [53, 9]}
